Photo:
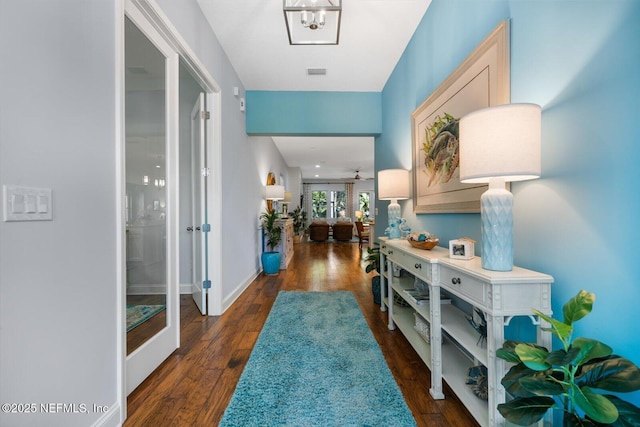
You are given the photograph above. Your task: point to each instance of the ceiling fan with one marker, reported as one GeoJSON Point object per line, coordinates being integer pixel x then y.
{"type": "Point", "coordinates": [358, 177]}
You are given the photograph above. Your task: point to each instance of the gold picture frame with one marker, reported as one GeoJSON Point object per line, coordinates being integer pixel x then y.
{"type": "Point", "coordinates": [482, 80]}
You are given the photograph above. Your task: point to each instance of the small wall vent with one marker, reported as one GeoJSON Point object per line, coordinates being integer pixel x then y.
{"type": "Point", "coordinates": [316, 71]}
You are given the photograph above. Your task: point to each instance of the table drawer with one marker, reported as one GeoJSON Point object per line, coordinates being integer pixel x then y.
{"type": "Point", "coordinates": [384, 248]}
{"type": "Point", "coordinates": [418, 267]}
{"type": "Point", "coordinates": [464, 285]}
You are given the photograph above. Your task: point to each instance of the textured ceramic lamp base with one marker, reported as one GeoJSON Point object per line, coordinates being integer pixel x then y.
{"type": "Point", "coordinates": [496, 207]}
{"type": "Point", "coordinates": [393, 212]}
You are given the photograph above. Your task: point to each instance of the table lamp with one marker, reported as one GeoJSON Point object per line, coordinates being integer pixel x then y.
{"type": "Point", "coordinates": [393, 184]}
{"type": "Point", "coordinates": [497, 145]}
{"type": "Point", "coordinates": [273, 193]}
{"type": "Point", "coordinates": [285, 204]}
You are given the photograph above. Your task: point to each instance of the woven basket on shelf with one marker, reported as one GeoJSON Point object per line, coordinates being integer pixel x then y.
{"type": "Point", "coordinates": [427, 244]}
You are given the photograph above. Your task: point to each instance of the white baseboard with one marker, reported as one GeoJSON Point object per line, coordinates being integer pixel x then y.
{"type": "Point", "coordinates": [230, 299]}
{"type": "Point", "coordinates": [111, 418]}
{"type": "Point", "coordinates": [185, 288]}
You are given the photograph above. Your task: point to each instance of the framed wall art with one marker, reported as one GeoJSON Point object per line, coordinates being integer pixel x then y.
{"type": "Point", "coordinates": [482, 80]}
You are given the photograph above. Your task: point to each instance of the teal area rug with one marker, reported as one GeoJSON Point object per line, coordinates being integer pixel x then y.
{"type": "Point", "coordinates": [138, 314]}
{"type": "Point", "coordinates": [316, 363]}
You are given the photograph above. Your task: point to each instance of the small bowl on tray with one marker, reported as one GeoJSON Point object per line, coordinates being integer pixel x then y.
{"type": "Point", "coordinates": [422, 240]}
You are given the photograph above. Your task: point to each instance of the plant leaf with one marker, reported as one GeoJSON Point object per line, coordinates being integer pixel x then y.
{"type": "Point", "coordinates": [589, 349]}
{"type": "Point", "coordinates": [578, 307]}
{"type": "Point", "coordinates": [540, 386]}
{"type": "Point", "coordinates": [561, 357]}
{"type": "Point", "coordinates": [572, 420]}
{"type": "Point", "coordinates": [508, 351]}
{"type": "Point", "coordinates": [533, 356]}
{"type": "Point", "coordinates": [558, 328]}
{"type": "Point", "coordinates": [595, 406]}
{"type": "Point", "coordinates": [612, 373]}
{"type": "Point", "coordinates": [525, 411]}
{"type": "Point", "coordinates": [628, 414]}
{"type": "Point", "coordinates": [511, 381]}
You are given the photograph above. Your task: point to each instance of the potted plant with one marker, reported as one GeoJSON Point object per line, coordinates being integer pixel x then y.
{"type": "Point", "coordinates": [373, 263]}
{"type": "Point", "coordinates": [566, 379]}
{"type": "Point", "coordinates": [299, 221]}
{"type": "Point", "coordinates": [273, 235]}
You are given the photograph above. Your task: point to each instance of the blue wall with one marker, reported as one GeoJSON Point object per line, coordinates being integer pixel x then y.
{"type": "Point", "coordinates": [580, 60]}
{"type": "Point", "coordinates": [313, 113]}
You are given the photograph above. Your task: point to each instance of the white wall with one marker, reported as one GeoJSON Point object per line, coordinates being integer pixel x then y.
{"type": "Point", "coordinates": [58, 289]}
{"type": "Point", "coordinates": [294, 186]}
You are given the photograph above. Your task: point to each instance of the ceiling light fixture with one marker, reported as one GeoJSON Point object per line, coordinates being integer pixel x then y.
{"type": "Point", "coordinates": [313, 22]}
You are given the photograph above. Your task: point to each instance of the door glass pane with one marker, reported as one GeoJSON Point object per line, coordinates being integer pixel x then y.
{"type": "Point", "coordinates": [146, 181]}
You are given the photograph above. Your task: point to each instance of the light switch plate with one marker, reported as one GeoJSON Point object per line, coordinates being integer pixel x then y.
{"type": "Point", "coordinates": [27, 203]}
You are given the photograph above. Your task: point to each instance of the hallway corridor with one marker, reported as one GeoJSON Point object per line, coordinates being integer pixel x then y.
{"type": "Point", "coordinates": [194, 385]}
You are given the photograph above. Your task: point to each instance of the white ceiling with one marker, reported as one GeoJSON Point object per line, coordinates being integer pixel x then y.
{"type": "Point", "coordinates": [328, 158]}
{"type": "Point", "coordinates": [373, 36]}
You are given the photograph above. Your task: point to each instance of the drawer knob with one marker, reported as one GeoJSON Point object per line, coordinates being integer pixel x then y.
{"type": "Point", "coordinates": [390, 252]}
{"type": "Point", "coordinates": [456, 281]}
{"type": "Point", "coordinates": [418, 266]}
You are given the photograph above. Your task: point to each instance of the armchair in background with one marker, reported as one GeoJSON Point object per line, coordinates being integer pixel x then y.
{"type": "Point", "coordinates": [342, 230]}
{"type": "Point", "coordinates": [319, 231]}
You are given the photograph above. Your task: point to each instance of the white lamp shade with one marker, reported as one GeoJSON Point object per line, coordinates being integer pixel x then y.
{"type": "Point", "coordinates": [274, 192]}
{"type": "Point", "coordinates": [393, 184]}
{"type": "Point", "coordinates": [502, 141]}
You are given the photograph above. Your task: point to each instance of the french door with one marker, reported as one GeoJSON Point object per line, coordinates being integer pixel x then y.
{"type": "Point", "coordinates": [200, 226]}
{"type": "Point", "coordinates": [151, 165]}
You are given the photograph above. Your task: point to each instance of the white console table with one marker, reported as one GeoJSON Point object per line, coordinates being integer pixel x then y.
{"type": "Point", "coordinates": [285, 247]}
{"type": "Point", "coordinates": [453, 346]}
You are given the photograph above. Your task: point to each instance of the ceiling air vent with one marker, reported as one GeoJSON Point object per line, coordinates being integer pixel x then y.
{"type": "Point", "coordinates": [316, 71]}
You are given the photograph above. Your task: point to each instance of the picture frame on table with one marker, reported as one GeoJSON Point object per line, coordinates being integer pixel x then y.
{"type": "Point", "coordinates": [462, 249]}
{"type": "Point", "coordinates": [480, 81]}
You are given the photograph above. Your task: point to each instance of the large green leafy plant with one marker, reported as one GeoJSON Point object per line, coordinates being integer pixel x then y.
{"type": "Point", "coordinates": [299, 220]}
{"type": "Point", "coordinates": [567, 378]}
{"type": "Point", "coordinates": [373, 258]}
{"type": "Point", "coordinates": [273, 232]}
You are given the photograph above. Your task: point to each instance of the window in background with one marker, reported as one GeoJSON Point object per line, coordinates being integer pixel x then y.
{"type": "Point", "coordinates": [319, 204]}
{"type": "Point", "coordinates": [363, 204]}
{"type": "Point", "coordinates": [339, 203]}
{"type": "Point", "coordinates": [328, 204]}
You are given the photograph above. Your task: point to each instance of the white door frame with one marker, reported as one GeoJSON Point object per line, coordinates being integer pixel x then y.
{"type": "Point", "coordinates": [141, 362]}
{"type": "Point", "coordinates": [156, 17]}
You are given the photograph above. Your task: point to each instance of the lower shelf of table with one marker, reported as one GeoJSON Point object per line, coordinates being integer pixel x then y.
{"type": "Point", "coordinates": [455, 363]}
{"type": "Point", "coordinates": [404, 320]}
{"type": "Point", "coordinates": [454, 371]}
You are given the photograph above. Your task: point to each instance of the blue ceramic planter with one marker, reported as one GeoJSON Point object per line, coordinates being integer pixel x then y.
{"type": "Point", "coordinates": [271, 262]}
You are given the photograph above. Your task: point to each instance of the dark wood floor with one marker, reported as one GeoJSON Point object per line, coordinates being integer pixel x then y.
{"type": "Point", "coordinates": [194, 385]}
